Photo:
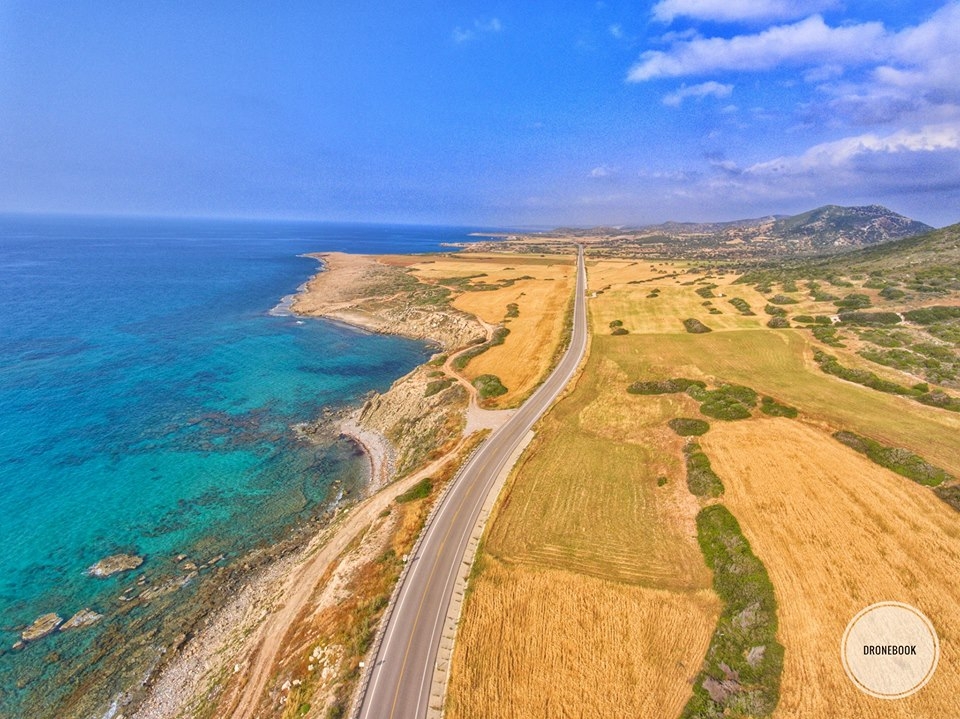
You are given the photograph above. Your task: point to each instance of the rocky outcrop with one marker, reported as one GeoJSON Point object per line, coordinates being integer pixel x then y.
{"type": "Point", "coordinates": [447, 327]}
{"type": "Point", "coordinates": [167, 587]}
{"type": "Point", "coordinates": [364, 292]}
{"type": "Point", "coordinates": [41, 627]}
{"type": "Point", "coordinates": [83, 618]}
{"type": "Point", "coordinates": [417, 425]}
{"type": "Point", "coordinates": [114, 564]}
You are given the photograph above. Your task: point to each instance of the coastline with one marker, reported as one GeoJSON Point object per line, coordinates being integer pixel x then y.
{"type": "Point", "coordinates": [380, 453]}
{"type": "Point", "coordinates": [223, 667]}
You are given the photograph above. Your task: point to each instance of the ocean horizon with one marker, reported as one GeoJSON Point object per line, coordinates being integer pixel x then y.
{"type": "Point", "coordinates": [149, 382]}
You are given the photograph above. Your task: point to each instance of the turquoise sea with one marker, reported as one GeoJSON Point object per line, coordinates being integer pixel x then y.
{"type": "Point", "coordinates": [147, 395]}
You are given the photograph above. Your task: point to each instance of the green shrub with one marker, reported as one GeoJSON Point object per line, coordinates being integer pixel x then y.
{"type": "Point", "coordinates": [664, 386]}
{"type": "Point", "coordinates": [778, 323]}
{"type": "Point", "coordinates": [853, 301]}
{"type": "Point", "coordinates": [789, 286]}
{"type": "Point", "coordinates": [616, 323]}
{"type": "Point", "coordinates": [661, 481]}
{"type": "Point", "coordinates": [941, 400]}
{"type": "Point", "coordinates": [936, 398]}
{"type": "Point", "coordinates": [418, 491]}
{"type": "Point", "coordinates": [828, 335]}
{"type": "Point", "coordinates": [949, 494]}
{"type": "Point", "coordinates": [892, 293]}
{"type": "Point", "coordinates": [768, 405]}
{"type": "Point", "coordinates": [782, 300]}
{"type": "Point", "coordinates": [805, 319]}
{"type": "Point", "coordinates": [513, 310]}
{"type": "Point", "coordinates": [489, 385]}
{"type": "Point", "coordinates": [775, 311]}
{"type": "Point", "coordinates": [701, 479]}
{"type": "Point", "coordinates": [831, 365]}
{"type": "Point", "coordinates": [885, 338]}
{"type": "Point", "coordinates": [742, 306]}
{"type": "Point", "coordinates": [436, 386]}
{"type": "Point", "coordinates": [744, 660]}
{"type": "Point", "coordinates": [706, 291]}
{"type": "Point", "coordinates": [902, 461]}
{"type": "Point", "coordinates": [686, 427]}
{"type": "Point", "coordinates": [728, 402]}
{"type": "Point", "coordinates": [620, 331]}
{"type": "Point", "coordinates": [695, 326]}
{"type": "Point", "coordinates": [870, 318]}
{"type": "Point", "coordinates": [929, 315]}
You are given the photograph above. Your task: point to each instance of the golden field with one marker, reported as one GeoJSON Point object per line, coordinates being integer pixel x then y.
{"type": "Point", "coordinates": [583, 540]}
{"type": "Point", "coordinates": [590, 570]}
{"type": "Point", "coordinates": [526, 356]}
{"type": "Point", "coordinates": [544, 643]}
{"type": "Point", "coordinates": [838, 533]}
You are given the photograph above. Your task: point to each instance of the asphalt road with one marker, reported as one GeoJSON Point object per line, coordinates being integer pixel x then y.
{"type": "Point", "coordinates": [401, 678]}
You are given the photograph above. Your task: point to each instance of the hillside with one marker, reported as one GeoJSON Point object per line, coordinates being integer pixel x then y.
{"type": "Point", "coordinates": [832, 227]}
{"type": "Point", "coordinates": [896, 305]}
{"type": "Point", "coordinates": [825, 230]}
{"type": "Point", "coordinates": [926, 263]}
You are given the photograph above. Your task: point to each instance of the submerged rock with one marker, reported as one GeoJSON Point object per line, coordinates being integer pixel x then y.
{"type": "Point", "coordinates": [41, 627]}
{"type": "Point", "coordinates": [113, 564]}
{"type": "Point", "coordinates": [83, 618]}
{"type": "Point", "coordinates": [168, 587]}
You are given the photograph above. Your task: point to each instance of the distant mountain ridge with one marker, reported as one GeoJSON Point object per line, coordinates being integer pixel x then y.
{"type": "Point", "coordinates": [824, 230]}
{"type": "Point", "coordinates": [832, 226]}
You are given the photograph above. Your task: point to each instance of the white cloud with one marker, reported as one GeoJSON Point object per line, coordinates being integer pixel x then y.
{"type": "Point", "coordinates": [866, 73]}
{"type": "Point", "coordinates": [704, 89]}
{"type": "Point", "coordinates": [738, 10]}
{"type": "Point", "coordinates": [846, 153]}
{"type": "Point", "coordinates": [616, 30]}
{"type": "Point", "coordinates": [460, 35]}
{"type": "Point", "coordinates": [920, 163]}
{"type": "Point", "coordinates": [810, 41]}
{"type": "Point", "coordinates": [478, 27]}
{"type": "Point", "coordinates": [602, 172]}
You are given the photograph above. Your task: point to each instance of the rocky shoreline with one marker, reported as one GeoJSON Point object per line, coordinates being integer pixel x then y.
{"type": "Point", "coordinates": [399, 430]}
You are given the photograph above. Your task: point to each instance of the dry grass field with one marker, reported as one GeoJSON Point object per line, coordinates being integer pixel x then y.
{"type": "Point", "coordinates": [779, 363]}
{"type": "Point", "coordinates": [523, 360]}
{"type": "Point", "coordinates": [593, 598]}
{"type": "Point", "coordinates": [838, 533]}
{"type": "Point", "coordinates": [586, 497]}
{"type": "Point", "coordinates": [582, 527]}
{"type": "Point", "coordinates": [642, 314]}
{"type": "Point", "coordinates": [544, 643]}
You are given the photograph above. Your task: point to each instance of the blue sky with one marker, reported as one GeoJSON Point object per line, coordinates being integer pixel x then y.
{"type": "Point", "coordinates": [487, 113]}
